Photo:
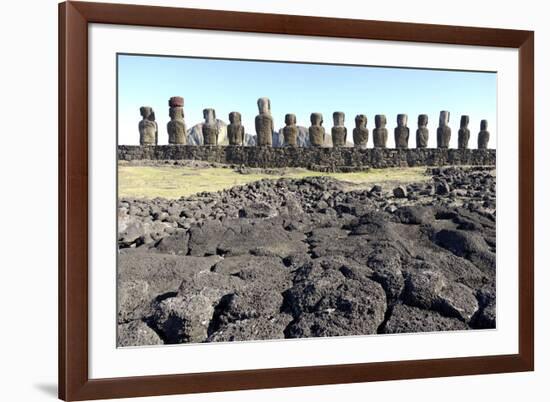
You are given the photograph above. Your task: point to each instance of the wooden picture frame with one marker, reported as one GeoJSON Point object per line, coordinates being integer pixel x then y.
{"type": "Point", "coordinates": [74, 381]}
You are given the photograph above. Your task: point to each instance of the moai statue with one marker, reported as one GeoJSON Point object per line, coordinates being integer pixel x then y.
{"type": "Point", "coordinates": [316, 131]}
{"type": "Point", "coordinates": [380, 133]}
{"type": "Point", "coordinates": [290, 131]}
{"type": "Point", "coordinates": [443, 131]}
{"type": "Point", "coordinates": [483, 136]}
{"type": "Point", "coordinates": [464, 132]}
{"type": "Point", "coordinates": [401, 132]}
{"type": "Point", "coordinates": [339, 131]}
{"type": "Point", "coordinates": [210, 128]}
{"type": "Point", "coordinates": [422, 133]}
{"type": "Point", "coordinates": [264, 123]}
{"type": "Point", "coordinates": [177, 132]}
{"type": "Point", "coordinates": [235, 130]}
{"type": "Point", "coordinates": [148, 127]}
{"type": "Point", "coordinates": [360, 132]}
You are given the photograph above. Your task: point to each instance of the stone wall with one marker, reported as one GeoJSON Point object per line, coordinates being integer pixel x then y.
{"type": "Point", "coordinates": [268, 157]}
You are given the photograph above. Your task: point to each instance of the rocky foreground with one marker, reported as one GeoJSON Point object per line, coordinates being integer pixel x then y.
{"type": "Point", "coordinates": [301, 258]}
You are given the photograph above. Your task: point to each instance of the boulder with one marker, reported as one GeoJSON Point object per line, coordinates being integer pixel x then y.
{"type": "Point", "coordinates": [485, 318]}
{"type": "Point", "coordinates": [467, 244]}
{"type": "Point", "coordinates": [260, 237]}
{"type": "Point", "coordinates": [414, 214]}
{"type": "Point", "coordinates": [400, 192]}
{"type": "Point", "coordinates": [144, 277]}
{"type": "Point", "coordinates": [258, 210]}
{"type": "Point", "coordinates": [187, 316]}
{"type": "Point", "coordinates": [139, 231]}
{"type": "Point", "coordinates": [262, 328]}
{"type": "Point", "coordinates": [386, 266]}
{"type": "Point", "coordinates": [326, 300]}
{"type": "Point", "coordinates": [376, 189]}
{"type": "Point", "coordinates": [442, 188]}
{"type": "Point", "coordinates": [176, 244]}
{"type": "Point", "coordinates": [261, 272]}
{"type": "Point", "coordinates": [204, 238]}
{"type": "Point", "coordinates": [405, 319]}
{"type": "Point", "coordinates": [457, 300]}
{"type": "Point", "coordinates": [136, 333]}
{"type": "Point", "coordinates": [423, 286]}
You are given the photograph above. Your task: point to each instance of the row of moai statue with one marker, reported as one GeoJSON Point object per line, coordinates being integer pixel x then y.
{"type": "Point", "coordinates": [177, 132]}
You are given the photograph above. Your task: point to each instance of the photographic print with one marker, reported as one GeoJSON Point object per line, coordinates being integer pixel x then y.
{"type": "Point", "coordinates": [272, 200]}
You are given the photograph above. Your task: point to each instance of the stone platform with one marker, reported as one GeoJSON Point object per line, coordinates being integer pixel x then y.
{"type": "Point", "coordinates": [270, 157]}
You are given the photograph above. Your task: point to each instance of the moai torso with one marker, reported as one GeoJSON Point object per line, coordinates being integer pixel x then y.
{"type": "Point", "coordinates": [177, 132]}
{"type": "Point", "coordinates": [148, 128]}
{"type": "Point", "coordinates": [483, 136]}
{"type": "Point", "coordinates": [360, 132]}
{"type": "Point", "coordinates": [264, 123]}
{"type": "Point", "coordinates": [443, 131]}
{"type": "Point", "coordinates": [463, 133]}
{"type": "Point", "coordinates": [210, 128]}
{"type": "Point", "coordinates": [235, 130]}
{"type": "Point", "coordinates": [401, 132]}
{"type": "Point", "coordinates": [316, 130]}
{"type": "Point", "coordinates": [339, 131]}
{"type": "Point", "coordinates": [290, 131]}
{"type": "Point", "coordinates": [422, 133]}
{"type": "Point", "coordinates": [380, 133]}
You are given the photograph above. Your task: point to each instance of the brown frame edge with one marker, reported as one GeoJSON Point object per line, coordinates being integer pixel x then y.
{"type": "Point", "coordinates": [74, 383]}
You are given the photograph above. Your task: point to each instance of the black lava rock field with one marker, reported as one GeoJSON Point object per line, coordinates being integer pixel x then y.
{"type": "Point", "coordinates": [294, 258]}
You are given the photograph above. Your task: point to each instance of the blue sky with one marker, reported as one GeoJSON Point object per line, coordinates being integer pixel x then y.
{"type": "Point", "coordinates": [234, 85]}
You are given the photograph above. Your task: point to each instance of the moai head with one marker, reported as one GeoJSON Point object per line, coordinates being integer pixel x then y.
{"type": "Point", "coordinates": [338, 118]}
{"type": "Point", "coordinates": [464, 121]}
{"type": "Point", "coordinates": [290, 119]}
{"type": "Point", "coordinates": [316, 119]}
{"type": "Point", "coordinates": [444, 118]}
{"type": "Point", "coordinates": [484, 125]}
{"type": "Point", "coordinates": [422, 120]}
{"type": "Point", "coordinates": [175, 113]}
{"type": "Point", "coordinates": [360, 121]}
{"type": "Point", "coordinates": [380, 121]}
{"type": "Point", "coordinates": [175, 101]}
{"type": "Point", "coordinates": [209, 116]}
{"type": "Point", "coordinates": [402, 120]}
{"type": "Point", "coordinates": [264, 106]}
{"type": "Point", "coordinates": [235, 118]}
{"type": "Point", "coordinates": [147, 113]}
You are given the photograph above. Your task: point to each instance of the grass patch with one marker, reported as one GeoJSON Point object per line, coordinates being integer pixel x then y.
{"type": "Point", "coordinates": [176, 181]}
